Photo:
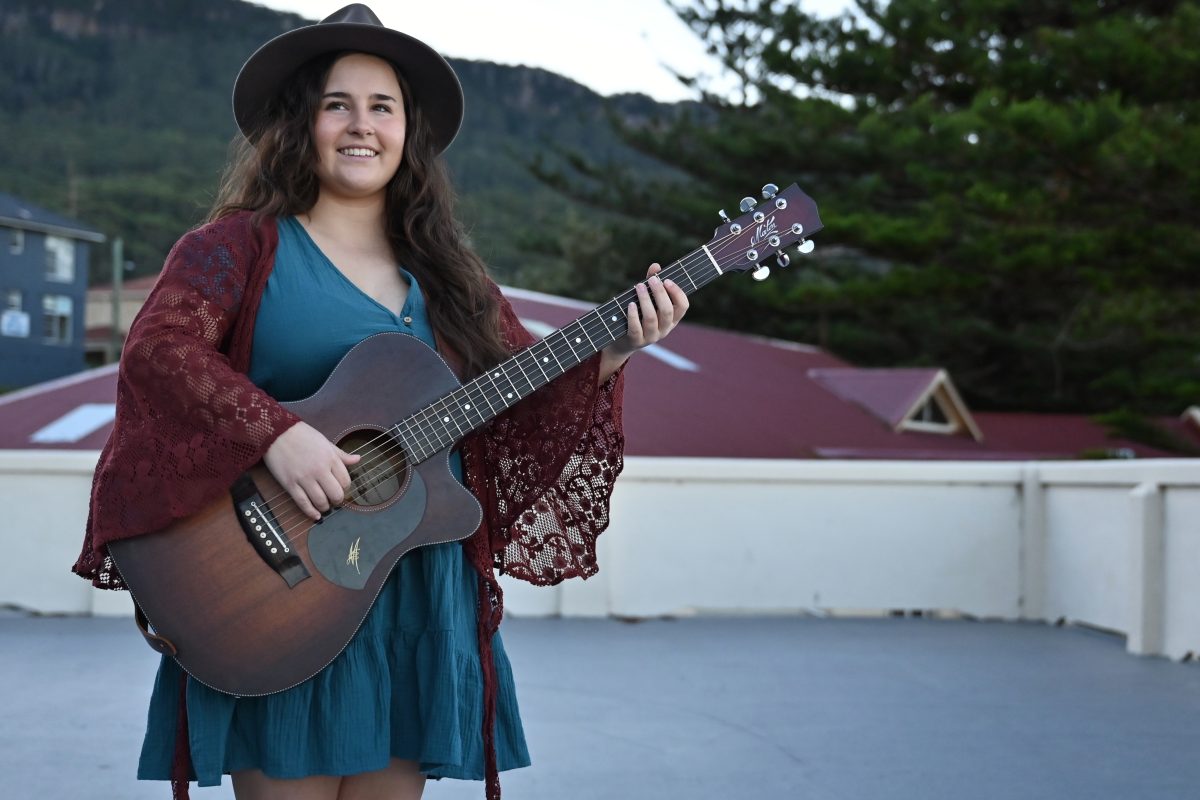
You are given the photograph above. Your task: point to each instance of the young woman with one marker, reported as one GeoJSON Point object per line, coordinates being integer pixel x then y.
{"type": "Point", "coordinates": [334, 224]}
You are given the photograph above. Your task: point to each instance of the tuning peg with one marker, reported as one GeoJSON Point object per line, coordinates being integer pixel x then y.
{"type": "Point", "coordinates": [806, 246]}
{"type": "Point", "coordinates": [782, 259]}
{"type": "Point", "coordinates": [761, 273]}
{"type": "Point", "coordinates": [747, 204]}
{"type": "Point", "coordinates": [769, 191]}
{"type": "Point", "coordinates": [724, 216]}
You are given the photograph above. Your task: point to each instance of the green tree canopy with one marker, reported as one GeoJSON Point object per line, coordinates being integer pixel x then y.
{"type": "Point", "coordinates": [1009, 188]}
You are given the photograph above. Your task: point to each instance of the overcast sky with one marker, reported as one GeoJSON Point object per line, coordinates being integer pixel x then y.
{"type": "Point", "coordinates": [611, 46]}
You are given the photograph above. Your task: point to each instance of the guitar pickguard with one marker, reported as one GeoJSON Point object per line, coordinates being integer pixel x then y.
{"type": "Point", "coordinates": [348, 546]}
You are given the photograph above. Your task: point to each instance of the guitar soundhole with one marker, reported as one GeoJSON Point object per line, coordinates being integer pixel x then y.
{"type": "Point", "coordinates": [382, 472]}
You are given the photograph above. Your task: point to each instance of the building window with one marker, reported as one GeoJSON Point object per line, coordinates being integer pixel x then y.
{"type": "Point", "coordinates": [13, 319]}
{"type": "Point", "coordinates": [16, 241]}
{"type": "Point", "coordinates": [60, 259]}
{"type": "Point", "coordinates": [932, 412]}
{"type": "Point", "coordinates": [56, 318]}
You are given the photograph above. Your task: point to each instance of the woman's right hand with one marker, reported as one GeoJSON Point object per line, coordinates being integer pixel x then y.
{"type": "Point", "coordinates": [310, 468]}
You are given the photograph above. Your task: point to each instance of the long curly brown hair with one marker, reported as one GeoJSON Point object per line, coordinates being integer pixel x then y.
{"type": "Point", "coordinates": [272, 173]}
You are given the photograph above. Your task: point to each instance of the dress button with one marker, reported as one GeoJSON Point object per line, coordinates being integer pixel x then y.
{"type": "Point", "coordinates": [408, 320]}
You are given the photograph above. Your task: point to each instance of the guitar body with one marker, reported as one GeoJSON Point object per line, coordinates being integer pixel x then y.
{"type": "Point", "coordinates": [255, 608]}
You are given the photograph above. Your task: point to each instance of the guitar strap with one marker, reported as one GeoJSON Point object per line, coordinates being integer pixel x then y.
{"type": "Point", "coordinates": [160, 644]}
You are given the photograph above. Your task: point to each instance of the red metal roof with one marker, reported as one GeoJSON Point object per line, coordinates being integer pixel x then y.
{"type": "Point", "coordinates": [888, 393]}
{"type": "Point", "coordinates": [705, 392]}
{"type": "Point", "coordinates": [26, 412]}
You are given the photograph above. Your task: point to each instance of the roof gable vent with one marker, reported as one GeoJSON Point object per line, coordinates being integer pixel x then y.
{"type": "Point", "coordinates": [921, 400]}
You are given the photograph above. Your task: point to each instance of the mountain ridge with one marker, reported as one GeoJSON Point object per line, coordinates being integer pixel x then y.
{"type": "Point", "coordinates": [119, 114]}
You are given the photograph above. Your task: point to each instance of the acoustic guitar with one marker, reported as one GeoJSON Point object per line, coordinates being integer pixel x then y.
{"type": "Point", "coordinates": [252, 597]}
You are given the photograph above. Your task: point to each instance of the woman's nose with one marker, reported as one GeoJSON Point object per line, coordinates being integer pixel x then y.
{"type": "Point", "coordinates": [361, 125]}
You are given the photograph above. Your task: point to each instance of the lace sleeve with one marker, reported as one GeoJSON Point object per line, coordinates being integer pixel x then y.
{"type": "Point", "coordinates": [545, 469]}
{"type": "Point", "coordinates": [174, 364]}
{"type": "Point", "coordinates": [187, 423]}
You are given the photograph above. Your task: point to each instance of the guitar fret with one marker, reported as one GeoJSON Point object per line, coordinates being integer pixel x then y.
{"type": "Point", "coordinates": [583, 328]}
{"type": "Point", "coordinates": [540, 361]}
{"type": "Point", "coordinates": [484, 394]}
{"type": "Point", "coordinates": [510, 397]}
{"type": "Point", "coordinates": [517, 362]}
{"type": "Point", "coordinates": [467, 404]}
{"type": "Point", "coordinates": [574, 355]}
{"type": "Point", "coordinates": [687, 274]}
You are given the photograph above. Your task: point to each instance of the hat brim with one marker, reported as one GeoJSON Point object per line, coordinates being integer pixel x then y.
{"type": "Point", "coordinates": [434, 86]}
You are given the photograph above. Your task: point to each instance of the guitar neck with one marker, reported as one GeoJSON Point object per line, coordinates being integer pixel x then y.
{"type": "Point", "coordinates": [441, 424]}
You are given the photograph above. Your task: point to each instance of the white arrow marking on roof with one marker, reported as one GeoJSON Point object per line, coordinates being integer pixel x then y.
{"type": "Point", "coordinates": [542, 330]}
{"type": "Point", "coordinates": [74, 425]}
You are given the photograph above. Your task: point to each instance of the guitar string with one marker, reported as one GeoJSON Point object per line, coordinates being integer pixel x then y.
{"type": "Point", "coordinates": [379, 452]}
{"type": "Point", "coordinates": [383, 466]}
{"type": "Point", "coordinates": [380, 463]}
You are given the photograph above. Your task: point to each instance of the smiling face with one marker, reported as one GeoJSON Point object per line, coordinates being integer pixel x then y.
{"type": "Point", "coordinates": [359, 129]}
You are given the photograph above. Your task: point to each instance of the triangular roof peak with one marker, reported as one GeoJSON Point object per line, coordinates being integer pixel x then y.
{"type": "Point", "coordinates": [907, 399]}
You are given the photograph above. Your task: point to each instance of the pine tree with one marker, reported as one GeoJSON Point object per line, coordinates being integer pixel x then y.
{"type": "Point", "coordinates": [1009, 188]}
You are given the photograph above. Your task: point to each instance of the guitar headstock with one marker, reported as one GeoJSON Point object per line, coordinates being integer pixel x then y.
{"type": "Point", "coordinates": [765, 229]}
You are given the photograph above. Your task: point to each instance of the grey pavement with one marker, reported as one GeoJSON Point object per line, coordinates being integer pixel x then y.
{"type": "Point", "coordinates": [705, 708]}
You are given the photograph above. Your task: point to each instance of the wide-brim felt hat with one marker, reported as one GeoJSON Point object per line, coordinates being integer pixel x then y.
{"type": "Point", "coordinates": [434, 86]}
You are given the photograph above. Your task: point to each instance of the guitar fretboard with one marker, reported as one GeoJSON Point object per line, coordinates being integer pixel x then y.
{"type": "Point", "coordinates": [441, 424]}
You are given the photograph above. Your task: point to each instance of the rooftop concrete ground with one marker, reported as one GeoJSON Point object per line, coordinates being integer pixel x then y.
{"type": "Point", "coordinates": [704, 709]}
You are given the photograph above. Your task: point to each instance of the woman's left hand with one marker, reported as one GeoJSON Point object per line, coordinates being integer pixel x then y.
{"type": "Point", "coordinates": [659, 308]}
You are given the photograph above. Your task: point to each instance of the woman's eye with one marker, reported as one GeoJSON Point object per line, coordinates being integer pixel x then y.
{"type": "Point", "coordinates": [335, 105]}
{"type": "Point", "coordinates": [384, 107]}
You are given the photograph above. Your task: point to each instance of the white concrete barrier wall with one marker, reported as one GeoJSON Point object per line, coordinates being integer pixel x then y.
{"type": "Point", "coordinates": [1110, 544]}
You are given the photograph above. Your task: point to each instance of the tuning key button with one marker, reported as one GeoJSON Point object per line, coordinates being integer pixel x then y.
{"type": "Point", "coordinates": [807, 246]}
{"type": "Point", "coordinates": [761, 273]}
{"type": "Point", "coordinates": [747, 204]}
{"type": "Point", "coordinates": [769, 191]}
{"type": "Point", "coordinates": [724, 216]}
{"type": "Point", "coordinates": [783, 260]}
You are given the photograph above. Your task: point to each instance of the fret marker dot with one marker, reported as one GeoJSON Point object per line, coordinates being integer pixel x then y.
{"type": "Point", "coordinates": [467, 406]}
{"type": "Point", "coordinates": [497, 375]}
{"type": "Point", "coordinates": [545, 360]}
{"type": "Point", "coordinates": [509, 395]}
{"type": "Point", "coordinates": [578, 340]}
{"type": "Point", "coordinates": [445, 419]}
{"type": "Point", "coordinates": [614, 319]}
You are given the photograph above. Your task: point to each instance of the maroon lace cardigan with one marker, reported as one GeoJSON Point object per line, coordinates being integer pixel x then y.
{"type": "Point", "coordinates": [189, 422]}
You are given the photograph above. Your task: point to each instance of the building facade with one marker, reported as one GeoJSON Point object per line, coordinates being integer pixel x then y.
{"type": "Point", "coordinates": [43, 285]}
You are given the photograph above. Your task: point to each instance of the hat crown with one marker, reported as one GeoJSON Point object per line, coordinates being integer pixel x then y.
{"type": "Point", "coordinates": [356, 13]}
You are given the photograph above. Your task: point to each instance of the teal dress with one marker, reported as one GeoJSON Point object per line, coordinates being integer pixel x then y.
{"type": "Point", "coordinates": [409, 683]}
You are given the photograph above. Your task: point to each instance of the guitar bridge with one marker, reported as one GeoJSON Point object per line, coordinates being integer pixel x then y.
{"type": "Point", "coordinates": [265, 533]}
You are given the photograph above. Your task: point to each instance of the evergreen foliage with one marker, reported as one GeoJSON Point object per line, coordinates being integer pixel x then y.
{"type": "Point", "coordinates": [1009, 189]}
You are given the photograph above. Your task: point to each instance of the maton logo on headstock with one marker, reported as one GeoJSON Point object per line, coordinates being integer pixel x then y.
{"type": "Point", "coordinates": [763, 230]}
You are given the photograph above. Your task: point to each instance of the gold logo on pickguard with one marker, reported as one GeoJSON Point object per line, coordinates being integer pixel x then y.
{"type": "Point", "coordinates": [353, 557]}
